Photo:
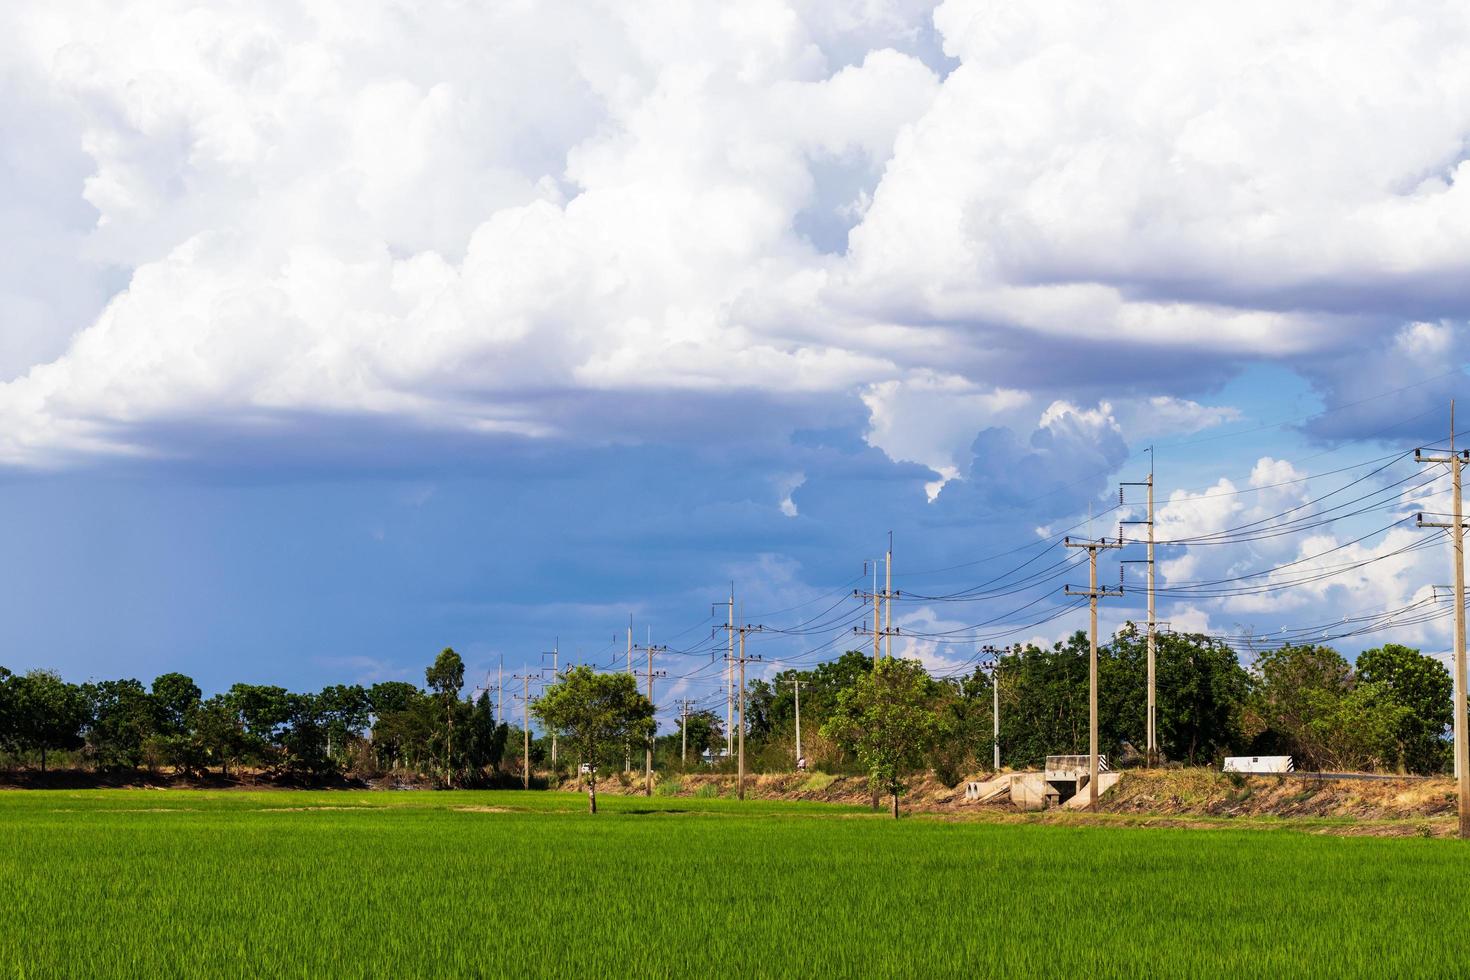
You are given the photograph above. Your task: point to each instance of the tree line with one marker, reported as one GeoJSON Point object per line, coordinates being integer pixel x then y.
{"type": "Point", "coordinates": [1389, 711]}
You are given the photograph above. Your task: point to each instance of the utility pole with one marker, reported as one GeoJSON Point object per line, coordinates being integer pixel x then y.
{"type": "Point", "coordinates": [555, 650]}
{"type": "Point", "coordinates": [525, 699]}
{"type": "Point", "coordinates": [796, 683]}
{"type": "Point", "coordinates": [500, 692]}
{"type": "Point", "coordinates": [648, 749]}
{"type": "Point", "coordinates": [741, 659]}
{"type": "Point", "coordinates": [730, 673]}
{"type": "Point", "coordinates": [879, 632]}
{"type": "Point", "coordinates": [796, 687]}
{"type": "Point", "coordinates": [1093, 593]}
{"type": "Point", "coordinates": [684, 705]}
{"type": "Point", "coordinates": [1151, 753]}
{"type": "Point", "coordinates": [1456, 528]}
{"type": "Point", "coordinates": [994, 702]}
{"type": "Point", "coordinates": [627, 749]}
{"type": "Point", "coordinates": [888, 600]}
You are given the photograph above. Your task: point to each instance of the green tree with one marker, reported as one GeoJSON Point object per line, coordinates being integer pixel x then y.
{"type": "Point", "coordinates": [701, 730]}
{"type": "Point", "coordinates": [402, 723]}
{"type": "Point", "coordinates": [1292, 689]}
{"type": "Point", "coordinates": [890, 721]}
{"type": "Point", "coordinates": [7, 710]}
{"type": "Point", "coordinates": [220, 732]}
{"type": "Point", "coordinates": [484, 739]}
{"type": "Point", "coordinates": [121, 719]}
{"type": "Point", "coordinates": [1356, 730]}
{"type": "Point", "coordinates": [265, 712]}
{"type": "Point", "coordinates": [49, 713]}
{"type": "Point", "coordinates": [596, 714]}
{"type": "Point", "coordinates": [445, 679]}
{"type": "Point", "coordinates": [175, 699]}
{"type": "Point", "coordinates": [1423, 686]}
{"type": "Point", "coordinates": [345, 712]}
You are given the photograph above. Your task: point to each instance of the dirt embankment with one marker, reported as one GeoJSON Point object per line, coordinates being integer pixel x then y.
{"type": "Point", "coordinates": [1203, 792]}
{"type": "Point", "coordinates": [1160, 793]}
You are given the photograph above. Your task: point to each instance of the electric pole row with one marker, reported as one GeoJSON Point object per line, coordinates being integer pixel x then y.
{"type": "Point", "coordinates": [1456, 461]}
{"type": "Point", "coordinates": [1093, 593]}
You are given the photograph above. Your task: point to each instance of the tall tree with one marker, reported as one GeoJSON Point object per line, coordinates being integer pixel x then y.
{"type": "Point", "coordinates": [49, 713]}
{"type": "Point", "coordinates": [121, 719]}
{"type": "Point", "coordinates": [1423, 686]}
{"type": "Point", "coordinates": [889, 718]}
{"type": "Point", "coordinates": [1290, 688]}
{"type": "Point", "coordinates": [596, 714]}
{"type": "Point", "coordinates": [175, 700]}
{"type": "Point", "coordinates": [220, 732]}
{"type": "Point", "coordinates": [344, 711]}
{"type": "Point", "coordinates": [701, 730]}
{"type": "Point", "coordinates": [445, 678]}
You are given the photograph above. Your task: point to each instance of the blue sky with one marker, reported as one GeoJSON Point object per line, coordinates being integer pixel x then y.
{"type": "Point", "coordinates": [334, 334]}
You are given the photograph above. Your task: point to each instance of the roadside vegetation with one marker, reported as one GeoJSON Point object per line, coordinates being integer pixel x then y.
{"type": "Point", "coordinates": [1389, 712]}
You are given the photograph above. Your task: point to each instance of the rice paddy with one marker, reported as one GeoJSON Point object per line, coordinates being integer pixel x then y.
{"type": "Point", "coordinates": [112, 883]}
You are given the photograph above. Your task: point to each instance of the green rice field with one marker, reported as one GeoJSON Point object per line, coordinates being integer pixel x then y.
{"type": "Point", "coordinates": [185, 883]}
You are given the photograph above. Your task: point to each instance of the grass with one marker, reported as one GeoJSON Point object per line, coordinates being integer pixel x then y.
{"type": "Point", "coordinates": [108, 883]}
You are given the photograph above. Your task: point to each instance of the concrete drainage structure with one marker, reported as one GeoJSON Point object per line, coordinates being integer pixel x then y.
{"type": "Point", "coordinates": [1063, 783]}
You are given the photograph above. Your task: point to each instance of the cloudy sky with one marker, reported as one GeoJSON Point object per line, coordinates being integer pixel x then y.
{"type": "Point", "coordinates": [333, 333]}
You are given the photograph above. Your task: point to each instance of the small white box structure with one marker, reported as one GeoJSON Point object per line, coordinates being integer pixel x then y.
{"type": "Point", "coordinates": [1258, 763]}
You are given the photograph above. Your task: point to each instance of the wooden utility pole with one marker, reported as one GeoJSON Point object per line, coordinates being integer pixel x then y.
{"type": "Point", "coordinates": [1093, 593]}
{"type": "Point", "coordinates": [741, 659]}
{"type": "Point", "coordinates": [1456, 461]}
{"type": "Point", "coordinates": [1151, 752]}
{"type": "Point", "coordinates": [648, 749]}
{"type": "Point", "coordinates": [525, 699]}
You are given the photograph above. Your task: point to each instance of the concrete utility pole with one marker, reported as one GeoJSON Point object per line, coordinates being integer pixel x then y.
{"type": "Point", "coordinates": [881, 601]}
{"type": "Point", "coordinates": [1151, 753]}
{"type": "Point", "coordinates": [627, 750]}
{"type": "Point", "coordinates": [648, 749]}
{"type": "Point", "coordinates": [741, 659]}
{"type": "Point", "coordinates": [888, 600]}
{"type": "Point", "coordinates": [555, 650]}
{"type": "Point", "coordinates": [796, 683]}
{"type": "Point", "coordinates": [684, 706]}
{"type": "Point", "coordinates": [995, 654]}
{"type": "Point", "coordinates": [796, 687]}
{"type": "Point", "coordinates": [1093, 593]}
{"type": "Point", "coordinates": [525, 699]}
{"type": "Point", "coordinates": [500, 692]}
{"type": "Point", "coordinates": [1456, 528]}
{"type": "Point", "coordinates": [730, 674]}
